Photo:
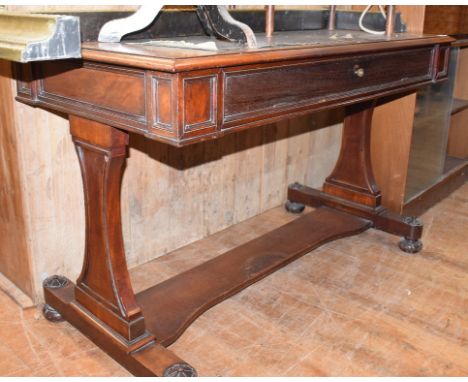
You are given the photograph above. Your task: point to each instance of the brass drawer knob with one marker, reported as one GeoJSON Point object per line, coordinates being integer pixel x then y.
{"type": "Point", "coordinates": [358, 71]}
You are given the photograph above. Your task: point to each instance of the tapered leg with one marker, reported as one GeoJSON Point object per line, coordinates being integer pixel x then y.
{"type": "Point", "coordinates": [353, 179]}
{"type": "Point", "coordinates": [102, 303]}
{"type": "Point", "coordinates": [351, 186]}
{"type": "Point", "coordinates": [104, 287]}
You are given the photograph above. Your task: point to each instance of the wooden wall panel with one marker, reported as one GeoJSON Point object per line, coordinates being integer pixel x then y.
{"type": "Point", "coordinates": [458, 136]}
{"type": "Point", "coordinates": [414, 17]}
{"type": "Point", "coordinates": [172, 197]}
{"type": "Point", "coordinates": [460, 89]}
{"type": "Point", "coordinates": [458, 133]}
{"type": "Point", "coordinates": [391, 146]}
{"type": "Point", "coordinates": [14, 253]}
{"type": "Point", "coordinates": [53, 193]}
{"type": "Point", "coordinates": [446, 19]}
{"type": "Point", "coordinates": [392, 127]}
{"type": "Point", "coordinates": [464, 20]}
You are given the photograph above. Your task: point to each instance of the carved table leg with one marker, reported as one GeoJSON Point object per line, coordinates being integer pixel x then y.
{"type": "Point", "coordinates": [351, 187]}
{"type": "Point", "coordinates": [102, 304]}
{"type": "Point", "coordinates": [352, 178]}
{"type": "Point", "coordinates": [104, 287]}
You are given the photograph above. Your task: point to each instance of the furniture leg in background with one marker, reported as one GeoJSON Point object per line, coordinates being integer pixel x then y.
{"type": "Point", "coordinates": [352, 188]}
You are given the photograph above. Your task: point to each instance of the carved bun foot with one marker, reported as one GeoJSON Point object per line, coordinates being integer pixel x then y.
{"type": "Point", "coordinates": [51, 314]}
{"type": "Point", "coordinates": [294, 208]}
{"type": "Point", "coordinates": [180, 370]}
{"type": "Point", "coordinates": [53, 282]}
{"type": "Point", "coordinates": [410, 246]}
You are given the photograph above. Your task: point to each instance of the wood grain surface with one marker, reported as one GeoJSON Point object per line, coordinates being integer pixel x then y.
{"type": "Point", "coordinates": [458, 135]}
{"type": "Point", "coordinates": [15, 255]}
{"type": "Point", "coordinates": [392, 131]}
{"type": "Point", "coordinates": [458, 132]}
{"type": "Point", "coordinates": [171, 306]}
{"type": "Point", "coordinates": [446, 19]}
{"type": "Point", "coordinates": [461, 84]}
{"type": "Point", "coordinates": [354, 307]}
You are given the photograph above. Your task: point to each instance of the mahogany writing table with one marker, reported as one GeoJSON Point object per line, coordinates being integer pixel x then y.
{"type": "Point", "coordinates": [181, 92]}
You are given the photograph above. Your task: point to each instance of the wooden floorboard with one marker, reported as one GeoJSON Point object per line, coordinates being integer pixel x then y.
{"type": "Point", "coordinates": [357, 307]}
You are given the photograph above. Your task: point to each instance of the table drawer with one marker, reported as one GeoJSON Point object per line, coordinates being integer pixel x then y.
{"type": "Point", "coordinates": [262, 92]}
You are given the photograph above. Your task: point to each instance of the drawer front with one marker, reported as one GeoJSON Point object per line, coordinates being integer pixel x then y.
{"type": "Point", "coordinates": [251, 93]}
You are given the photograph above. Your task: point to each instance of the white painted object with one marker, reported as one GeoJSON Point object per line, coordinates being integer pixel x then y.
{"type": "Point", "coordinates": [114, 30]}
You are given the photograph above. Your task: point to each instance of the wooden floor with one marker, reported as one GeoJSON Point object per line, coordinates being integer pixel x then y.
{"type": "Point", "coordinates": [357, 306]}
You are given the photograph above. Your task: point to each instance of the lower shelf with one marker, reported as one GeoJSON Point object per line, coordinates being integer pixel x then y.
{"type": "Point", "coordinates": [171, 306]}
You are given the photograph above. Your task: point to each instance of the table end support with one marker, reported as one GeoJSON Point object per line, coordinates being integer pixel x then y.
{"type": "Point", "coordinates": [103, 288]}
{"type": "Point", "coordinates": [150, 360]}
{"type": "Point", "coordinates": [351, 187]}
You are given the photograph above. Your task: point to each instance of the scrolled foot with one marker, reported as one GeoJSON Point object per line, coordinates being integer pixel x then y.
{"type": "Point", "coordinates": [293, 207]}
{"type": "Point", "coordinates": [51, 314]}
{"type": "Point", "coordinates": [410, 246]}
{"type": "Point", "coordinates": [180, 370]}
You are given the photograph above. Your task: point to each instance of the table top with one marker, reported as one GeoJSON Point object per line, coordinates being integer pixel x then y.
{"type": "Point", "coordinates": [182, 91]}
{"type": "Point", "coordinates": [203, 52]}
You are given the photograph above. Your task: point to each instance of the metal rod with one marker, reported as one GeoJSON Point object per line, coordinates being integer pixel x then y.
{"type": "Point", "coordinates": [390, 24]}
{"type": "Point", "coordinates": [269, 20]}
{"type": "Point", "coordinates": [332, 18]}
